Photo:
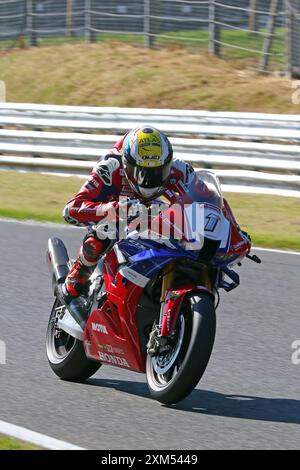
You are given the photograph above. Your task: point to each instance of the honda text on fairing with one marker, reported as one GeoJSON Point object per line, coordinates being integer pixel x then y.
{"type": "Point", "coordinates": [153, 297]}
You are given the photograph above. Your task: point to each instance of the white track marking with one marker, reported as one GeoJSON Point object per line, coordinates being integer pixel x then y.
{"type": "Point", "coordinates": [40, 440]}
{"type": "Point", "coordinates": [227, 188]}
{"type": "Point", "coordinates": [34, 223]}
{"type": "Point", "coordinates": [283, 252]}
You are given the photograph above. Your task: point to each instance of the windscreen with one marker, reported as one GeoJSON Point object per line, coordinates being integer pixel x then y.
{"type": "Point", "coordinates": [205, 188]}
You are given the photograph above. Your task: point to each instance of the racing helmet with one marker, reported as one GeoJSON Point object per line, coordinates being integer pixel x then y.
{"type": "Point", "coordinates": [147, 161]}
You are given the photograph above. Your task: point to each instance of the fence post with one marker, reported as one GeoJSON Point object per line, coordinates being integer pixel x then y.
{"type": "Point", "coordinates": [29, 23]}
{"type": "Point", "coordinates": [214, 30]}
{"type": "Point", "coordinates": [147, 37]}
{"type": "Point", "coordinates": [289, 19]}
{"type": "Point", "coordinates": [293, 39]}
{"type": "Point", "coordinates": [69, 18]}
{"type": "Point", "coordinates": [265, 59]}
{"type": "Point", "coordinates": [149, 30]}
{"type": "Point", "coordinates": [253, 24]}
{"type": "Point", "coordinates": [87, 21]}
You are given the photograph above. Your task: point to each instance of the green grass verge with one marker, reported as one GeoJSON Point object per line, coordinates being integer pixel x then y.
{"type": "Point", "coordinates": [272, 221]}
{"type": "Point", "coordinates": [6, 443]}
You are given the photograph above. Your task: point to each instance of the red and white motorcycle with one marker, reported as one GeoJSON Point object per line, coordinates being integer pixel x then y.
{"type": "Point", "coordinates": [153, 300]}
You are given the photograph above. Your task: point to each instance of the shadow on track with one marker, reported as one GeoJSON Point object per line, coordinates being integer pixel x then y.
{"type": "Point", "coordinates": [139, 389]}
{"type": "Point", "coordinates": [277, 410]}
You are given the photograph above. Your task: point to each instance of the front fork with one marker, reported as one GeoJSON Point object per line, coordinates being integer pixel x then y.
{"type": "Point", "coordinates": [171, 300]}
{"type": "Point", "coordinates": [167, 283]}
{"type": "Point", "coordinates": [156, 340]}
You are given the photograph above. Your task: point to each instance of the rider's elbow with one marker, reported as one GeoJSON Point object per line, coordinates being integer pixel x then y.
{"type": "Point", "coordinates": [68, 217]}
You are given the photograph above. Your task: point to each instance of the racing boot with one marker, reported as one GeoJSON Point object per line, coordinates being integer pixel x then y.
{"type": "Point", "coordinates": [71, 293]}
{"type": "Point", "coordinates": [77, 282]}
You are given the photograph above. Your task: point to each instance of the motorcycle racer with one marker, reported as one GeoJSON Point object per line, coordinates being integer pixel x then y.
{"type": "Point", "coordinates": [139, 166]}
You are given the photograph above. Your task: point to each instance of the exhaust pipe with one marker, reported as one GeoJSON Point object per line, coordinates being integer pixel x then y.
{"type": "Point", "coordinates": [57, 259]}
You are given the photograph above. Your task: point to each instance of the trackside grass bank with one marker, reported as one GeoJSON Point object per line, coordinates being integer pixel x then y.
{"type": "Point", "coordinates": [6, 443]}
{"type": "Point", "coordinates": [113, 73]}
{"type": "Point", "coordinates": [273, 221]}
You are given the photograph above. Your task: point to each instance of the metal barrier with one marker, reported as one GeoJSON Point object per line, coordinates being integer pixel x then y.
{"type": "Point", "coordinates": [251, 163]}
{"type": "Point", "coordinates": [243, 126]}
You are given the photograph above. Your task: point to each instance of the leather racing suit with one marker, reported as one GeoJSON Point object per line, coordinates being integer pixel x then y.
{"type": "Point", "coordinates": [105, 185]}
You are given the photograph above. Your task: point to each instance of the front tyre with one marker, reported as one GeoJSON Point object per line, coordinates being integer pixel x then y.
{"type": "Point", "coordinates": [66, 355]}
{"type": "Point", "coordinates": [173, 374]}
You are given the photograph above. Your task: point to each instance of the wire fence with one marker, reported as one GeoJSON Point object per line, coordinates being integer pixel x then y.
{"type": "Point", "coordinates": [293, 16]}
{"type": "Point", "coordinates": [265, 32]}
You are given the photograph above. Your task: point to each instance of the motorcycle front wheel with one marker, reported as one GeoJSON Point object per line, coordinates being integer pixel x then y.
{"type": "Point", "coordinates": [173, 374]}
{"type": "Point", "coordinates": [66, 355]}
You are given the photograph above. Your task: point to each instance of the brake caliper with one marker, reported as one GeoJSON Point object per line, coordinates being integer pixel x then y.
{"type": "Point", "coordinates": [157, 344]}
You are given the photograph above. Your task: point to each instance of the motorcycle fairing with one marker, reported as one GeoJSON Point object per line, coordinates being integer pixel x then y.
{"type": "Point", "coordinates": [112, 335]}
{"type": "Point", "coordinates": [174, 300]}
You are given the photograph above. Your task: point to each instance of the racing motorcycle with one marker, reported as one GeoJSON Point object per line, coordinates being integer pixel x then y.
{"type": "Point", "coordinates": [152, 300]}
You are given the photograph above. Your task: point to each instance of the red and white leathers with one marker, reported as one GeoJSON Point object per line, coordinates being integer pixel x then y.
{"type": "Point", "coordinates": [105, 186]}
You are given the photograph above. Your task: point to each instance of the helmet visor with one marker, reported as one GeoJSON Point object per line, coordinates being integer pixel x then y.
{"type": "Point", "coordinates": [147, 177]}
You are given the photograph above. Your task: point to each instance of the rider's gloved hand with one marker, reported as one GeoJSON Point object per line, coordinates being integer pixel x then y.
{"type": "Point", "coordinates": [136, 209]}
{"type": "Point", "coordinates": [118, 210]}
{"type": "Point", "coordinates": [107, 209]}
{"type": "Point", "coordinates": [126, 207]}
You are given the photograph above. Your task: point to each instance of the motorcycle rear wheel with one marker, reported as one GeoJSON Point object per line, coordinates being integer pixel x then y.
{"type": "Point", "coordinates": [66, 355]}
{"type": "Point", "coordinates": [172, 377]}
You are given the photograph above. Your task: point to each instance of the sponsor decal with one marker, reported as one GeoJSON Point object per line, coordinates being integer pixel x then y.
{"type": "Point", "coordinates": [115, 360]}
{"type": "Point", "coordinates": [149, 145]}
{"type": "Point", "coordinates": [104, 174]}
{"type": "Point", "coordinates": [99, 328]}
{"type": "Point", "coordinates": [151, 157]}
{"type": "Point", "coordinates": [111, 349]}
{"type": "Point", "coordinates": [169, 320]}
{"type": "Point", "coordinates": [153, 139]}
{"type": "Point", "coordinates": [94, 182]}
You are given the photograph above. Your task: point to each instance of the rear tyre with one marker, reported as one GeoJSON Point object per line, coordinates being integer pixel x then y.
{"type": "Point", "coordinates": [173, 375]}
{"type": "Point", "coordinates": [66, 354]}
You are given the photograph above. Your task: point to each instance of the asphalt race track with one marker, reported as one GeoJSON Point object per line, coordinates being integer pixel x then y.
{"type": "Point", "coordinates": [248, 398]}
